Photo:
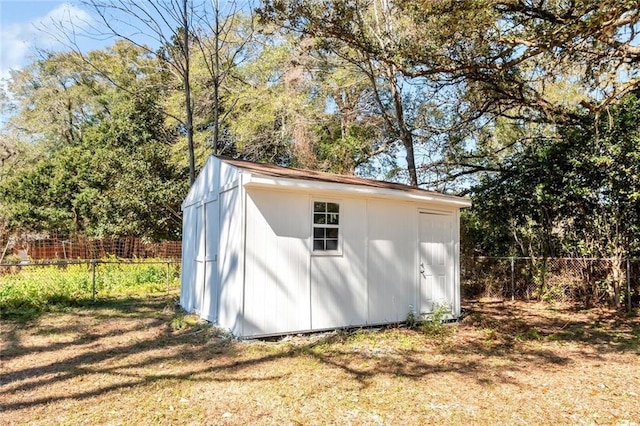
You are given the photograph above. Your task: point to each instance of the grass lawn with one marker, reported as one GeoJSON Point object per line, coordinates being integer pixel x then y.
{"type": "Point", "coordinates": [139, 361]}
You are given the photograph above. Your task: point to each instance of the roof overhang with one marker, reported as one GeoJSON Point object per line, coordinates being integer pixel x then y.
{"type": "Point", "coordinates": [251, 180]}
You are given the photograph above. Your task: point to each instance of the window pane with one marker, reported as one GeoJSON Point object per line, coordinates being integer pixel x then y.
{"type": "Point", "coordinates": [333, 208]}
{"type": "Point", "coordinates": [319, 219]}
{"type": "Point", "coordinates": [326, 221]}
{"type": "Point", "coordinates": [332, 244]}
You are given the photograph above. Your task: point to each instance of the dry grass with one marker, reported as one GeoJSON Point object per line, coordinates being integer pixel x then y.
{"type": "Point", "coordinates": [140, 362]}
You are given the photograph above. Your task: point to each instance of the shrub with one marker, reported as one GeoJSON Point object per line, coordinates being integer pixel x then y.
{"type": "Point", "coordinates": [430, 324]}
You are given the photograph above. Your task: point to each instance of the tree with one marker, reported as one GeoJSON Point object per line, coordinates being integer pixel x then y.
{"type": "Point", "coordinates": [482, 61]}
{"type": "Point", "coordinates": [351, 131]}
{"type": "Point", "coordinates": [140, 190]}
{"type": "Point", "coordinates": [114, 177]}
{"type": "Point", "coordinates": [167, 24]}
{"type": "Point", "coordinates": [175, 31]}
{"type": "Point", "coordinates": [51, 99]}
{"type": "Point", "coordinates": [374, 21]}
{"type": "Point", "coordinates": [301, 105]}
{"type": "Point", "coordinates": [573, 195]}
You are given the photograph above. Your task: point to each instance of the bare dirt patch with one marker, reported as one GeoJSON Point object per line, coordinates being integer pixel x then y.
{"type": "Point", "coordinates": [140, 361]}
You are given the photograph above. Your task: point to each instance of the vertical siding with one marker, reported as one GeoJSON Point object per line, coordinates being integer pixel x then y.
{"type": "Point", "coordinates": [391, 261]}
{"type": "Point", "coordinates": [187, 281]}
{"type": "Point", "coordinates": [211, 288]}
{"type": "Point", "coordinates": [200, 274]}
{"type": "Point", "coordinates": [199, 263]}
{"type": "Point", "coordinates": [214, 175]}
{"type": "Point", "coordinates": [456, 264]}
{"type": "Point", "coordinates": [270, 282]}
{"type": "Point", "coordinates": [208, 181]}
{"type": "Point", "coordinates": [230, 262]}
{"type": "Point", "coordinates": [277, 263]}
{"type": "Point", "coordinates": [338, 283]}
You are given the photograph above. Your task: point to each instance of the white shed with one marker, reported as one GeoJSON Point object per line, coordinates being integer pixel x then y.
{"type": "Point", "coordinates": [268, 250]}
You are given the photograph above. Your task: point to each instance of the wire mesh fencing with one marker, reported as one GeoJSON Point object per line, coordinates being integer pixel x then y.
{"type": "Point", "coordinates": [31, 288]}
{"type": "Point", "coordinates": [591, 281]}
{"type": "Point", "coordinates": [23, 247]}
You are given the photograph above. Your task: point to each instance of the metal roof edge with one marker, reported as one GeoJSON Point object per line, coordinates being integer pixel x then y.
{"type": "Point", "coordinates": [257, 180]}
{"type": "Point", "coordinates": [273, 175]}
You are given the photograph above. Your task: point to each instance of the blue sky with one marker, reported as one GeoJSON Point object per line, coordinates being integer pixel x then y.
{"type": "Point", "coordinates": [28, 25]}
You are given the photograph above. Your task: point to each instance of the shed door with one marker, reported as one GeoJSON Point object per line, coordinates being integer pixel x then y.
{"type": "Point", "coordinates": [436, 261]}
{"type": "Point", "coordinates": [210, 261]}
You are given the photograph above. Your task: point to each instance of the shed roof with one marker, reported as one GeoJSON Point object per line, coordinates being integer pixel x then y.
{"type": "Point", "coordinates": [270, 170]}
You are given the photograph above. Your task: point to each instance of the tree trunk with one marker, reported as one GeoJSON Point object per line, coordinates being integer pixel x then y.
{"type": "Point", "coordinates": [404, 132]}
{"type": "Point", "coordinates": [216, 80]}
{"type": "Point", "coordinates": [617, 275]}
{"type": "Point", "coordinates": [187, 93]}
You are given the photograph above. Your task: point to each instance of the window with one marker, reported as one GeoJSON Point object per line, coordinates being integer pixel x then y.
{"type": "Point", "coordinates": [326, 226]}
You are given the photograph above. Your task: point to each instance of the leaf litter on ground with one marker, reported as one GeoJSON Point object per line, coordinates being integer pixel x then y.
{"type": "Point", "coordinates": [147, 362]}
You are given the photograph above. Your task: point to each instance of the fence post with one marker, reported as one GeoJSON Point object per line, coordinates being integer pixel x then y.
{"type": "Point", "coordinates": [628, 285]}
{"type": "Point", "coordinates": [513, 284]}
{"type": "Point", "coordinates": [168, 279]}
{"type": "Point", "coordinates": [93, 280]}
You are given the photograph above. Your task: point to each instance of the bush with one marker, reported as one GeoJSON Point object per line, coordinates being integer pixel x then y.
{"type": "Point", "coordinates": [430, 324]}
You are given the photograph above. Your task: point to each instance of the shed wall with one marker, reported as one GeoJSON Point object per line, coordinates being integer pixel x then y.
{"type": "Point", "coordinates": [276, 296]}
{"type": "Point", "coordinates": [189, 238]}
{"type": "Point", "coordinates": [374, 279]}
{"type": "Point", "coordinates": [201, 218]}
{"type": "Point", "coordinates": [338, 282]}
{"type": "Point", "coordinates": [231, 259]}
{"type": "Point", "coordinates": [215, 174]}
{"type": "Point", "coordinates": [391, 260]}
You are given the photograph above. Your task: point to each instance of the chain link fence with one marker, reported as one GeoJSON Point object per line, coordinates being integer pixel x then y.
{"type": "Point", "coordinates": [27, 289]}
{"type": "Point", "coordinates": [591, 281]}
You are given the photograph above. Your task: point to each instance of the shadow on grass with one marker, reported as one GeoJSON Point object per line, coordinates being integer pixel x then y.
{"type": "Point", "coordinates": [25, 310]}
{"type": "Point", "coordinates": [508, 323]}
{"type": "Point", "coordinates": [130, 340]}
{"type": "Point", "coordinates": [115, 308]}
{"type": "Point", "coordinates": [28, 310]}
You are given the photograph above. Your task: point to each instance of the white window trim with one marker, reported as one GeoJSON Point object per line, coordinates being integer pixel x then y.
{"type": "Point", "coordinates": [321, 253]}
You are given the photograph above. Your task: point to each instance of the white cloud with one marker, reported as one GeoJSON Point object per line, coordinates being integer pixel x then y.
{"type": "Point", "coordinates": [19, 41]}
{"type": "Point", "coordinates": [63, 19]}
{"type": "Point", "coordinates": [14, 48]}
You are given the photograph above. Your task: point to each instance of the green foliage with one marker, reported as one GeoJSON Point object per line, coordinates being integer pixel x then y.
{"type": "Point", "coordinates": [182, 321]}
{"type": "Point", "coordinates": [412, 319]}
{"type": "Point", "coordinates": [430, 324]}
{"type": "Point", "coordinates": [462, 66]}
{"type": "Point", "coordinates": [111, 175]}
{"type": "Point", "coordinates": [529, 335]}
{"type": "Point", "coordinates": [433, 325]}
{"type": "Point", "coordinates": [341, 153]}
{"type": "Point", "coordinates": [571, 194]}
{"type": "Point", "coordinates": [576, 194]}
{"type": "Point", "coordinates": [28, 290]}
